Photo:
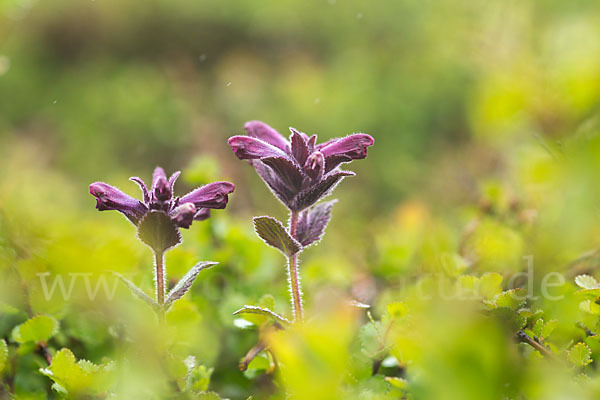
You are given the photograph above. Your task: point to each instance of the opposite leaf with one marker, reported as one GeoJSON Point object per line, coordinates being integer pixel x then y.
{"type": "Point", "coordinates": [137, 291]}
{"type": "Point", "coordinates": [274, 234]}
{"type": "Point", "coordinates": [313, 222]}
{"type": "Point", "coordinates": [158, 231]}
{"type": "Point", "coordinates": [186, 282]}
{"type": "Point", "coordinates": [36, 329]}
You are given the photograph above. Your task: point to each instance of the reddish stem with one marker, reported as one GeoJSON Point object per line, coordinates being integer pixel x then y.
{"type": "Point", "coordinates": [293, 272]}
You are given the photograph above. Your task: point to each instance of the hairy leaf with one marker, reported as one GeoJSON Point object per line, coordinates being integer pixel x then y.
{"type": "Point", "coordinates": [36, 329]}
{"type": "Point", "coordinates": [186, 282]}
{"type": "Point", "coordinates": [158, 231]}
{"type": "Point", "coordinates": [262, 311]}
{"type": "Point", "coordinates": [312, 223]}
{"type": "Point", "coordinates": [137, 291]}
{"type": "Point", "coordinates": [274, 234]}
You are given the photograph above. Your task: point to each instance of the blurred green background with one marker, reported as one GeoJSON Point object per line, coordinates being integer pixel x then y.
{"type": "Point", "coordinates": [486, 122]}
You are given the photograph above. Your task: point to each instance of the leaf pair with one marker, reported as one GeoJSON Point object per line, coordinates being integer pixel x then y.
{"type": "Point", "coordinates": [178, 291]}
{"type": "Point", "coordinates": [311, 226]}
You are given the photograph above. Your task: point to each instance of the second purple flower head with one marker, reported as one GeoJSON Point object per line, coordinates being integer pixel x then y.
{"type": "Point", "coordinates": [194, 206]}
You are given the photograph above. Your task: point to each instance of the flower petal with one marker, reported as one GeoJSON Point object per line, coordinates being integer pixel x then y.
{"type": "Point", "coordinates": [183, 216]}
{"type": "Point", "coordinates": [353, 146]}
{"type": "Point", "coordinates": [213, 195]}
{"type": "Point", "coordinates": [173, 179]}
{"type": "Point", "coordinates": [161, 191]}
{"type": "Point", "coordinates": [310, 196]}
{"type": "Point", "coordinates": [267, 134]}
{"type": "Point", "coordinates": [110, 198]}
{"type": "Point", "coordinates": [202, 214]}
{"type": "Point", "coordinates": [142, 186]}
{"type": "Point", "coordinates": [249, 148]}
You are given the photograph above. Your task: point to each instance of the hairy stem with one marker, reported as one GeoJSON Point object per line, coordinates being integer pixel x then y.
{"type": "Point", "coordinates": [160, 284]}
{"type": "Point", "coordinates": [293, 273]}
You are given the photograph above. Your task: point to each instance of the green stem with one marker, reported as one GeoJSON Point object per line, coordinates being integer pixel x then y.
{"type": "Point", "coordinates": [293, 273]}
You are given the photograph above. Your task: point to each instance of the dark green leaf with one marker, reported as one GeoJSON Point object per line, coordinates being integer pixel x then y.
{"type": "Point", "coordinates": [158, 231]}
{"type": "Point", "coordinates": [274, 234]}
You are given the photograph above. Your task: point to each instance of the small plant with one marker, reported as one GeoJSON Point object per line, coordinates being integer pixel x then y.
{"type": "Point", "coordinates": [299, 172]}
{"type": "Point", "coordinates": [158, 219]}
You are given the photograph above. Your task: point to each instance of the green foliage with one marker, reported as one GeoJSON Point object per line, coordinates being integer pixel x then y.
{"type": "Point", "coordinates": [37, 329]}
{"type": "Point", "coordinates": [158, 231]}
{"type": "Point", "coordinates": [3, 355]}
{"type": "Point", "coordinates": [487, 150]}
{"type": "Point", "coordinates": [74, 378]}
{"type": "Point", "coordinates": [580, 355]}
{"type": "Point", "coordinates": [274, 234]}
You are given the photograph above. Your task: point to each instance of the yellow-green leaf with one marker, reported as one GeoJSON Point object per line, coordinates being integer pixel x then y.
{"type": "Point", "coordinates": [580, 355]}
{"type": "Point", "coordinates": [3, 354]}
{"type": "Point", "coordinates": [36, 329]}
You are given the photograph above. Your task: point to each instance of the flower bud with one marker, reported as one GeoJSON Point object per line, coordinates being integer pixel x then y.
{"type": "Point", "coordinates": [315, 165]}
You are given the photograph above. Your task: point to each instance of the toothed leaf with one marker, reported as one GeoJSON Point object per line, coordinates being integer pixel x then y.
{"type": "Point", "coordinates": [158, 231]}
{"type": "Point", "coordinates": [36, 329]}
{"type": "Point", "coordinates": [186, 282]}
{"type": "Point", "coordinates": [580, 355]}
{"type": "Point", "coordinates": [274, 234]}
{"type": "Point", "coordinates": [586, 282]}
{"type": "Point", "coordinates": [313, 222]}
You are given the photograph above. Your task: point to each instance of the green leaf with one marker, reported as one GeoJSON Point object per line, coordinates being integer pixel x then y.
{"type": "Point", "coordinates": [199, 378]}
{"type": "Point", "coordinates": [586, 282]}
{"type": "Point", "coordinates": [490, 285]}
{"type": "Point", "coordinates": [274, 234]}
{"type": "Point", "coordinates": [396, 382]}
{"type": "Point", "coordinates": [590, 306]}
{"type": "Point", "coordinates": [548, 328]}
{"type": "Point", "coordinates": [512, 299]}
{"type": "Point", "coordinates": [137, 291]}
{"type": "Point", "coordinates": [3, 355]}
{"type": "Point", "coordinates": [262, 311]}
{"type": "Point", "coordinates": [37, 329]}
{"type": "Point", "coordinates": [537, 328]}
{"type": "Point", "coordinates": [580, 355]}
{"type": "Point", "coordinates": [78, 378]}
{"type": "Point", "coordinates": [186, 282]}
{"type": "Point", "coordinates": [158, 231]}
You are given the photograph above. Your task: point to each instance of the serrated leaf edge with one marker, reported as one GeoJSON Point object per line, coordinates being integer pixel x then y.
{"type": "Point", "coordinates": [181, 288]}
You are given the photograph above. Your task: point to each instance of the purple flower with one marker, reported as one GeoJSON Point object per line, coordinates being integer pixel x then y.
{"type": "Point", "coordinates": [194, 206]}
{"type": "Point", "coordinates": [298, 171]}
